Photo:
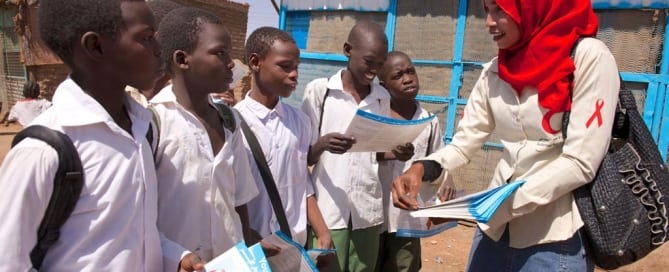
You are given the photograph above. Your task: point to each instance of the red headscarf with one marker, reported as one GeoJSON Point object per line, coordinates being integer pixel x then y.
{"type": "Point", "coordinates": [542, 57]}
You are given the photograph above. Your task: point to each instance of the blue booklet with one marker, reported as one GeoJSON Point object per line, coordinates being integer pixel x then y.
{"type": "Point", "coordinates": [240, 258]}
{"type": "Point", "coordinates": [479, 206]}
{"type": "Point", "coordinates": [424, 233]}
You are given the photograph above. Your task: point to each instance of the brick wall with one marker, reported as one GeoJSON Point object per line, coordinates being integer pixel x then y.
{"type": "Point", "coordinates": [48, 77]}
{"type": "Point", "coordinates": [234, 15]}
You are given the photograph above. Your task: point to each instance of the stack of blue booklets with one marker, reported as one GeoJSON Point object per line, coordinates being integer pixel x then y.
{"type": "Point", "coordinates": [478, 207]}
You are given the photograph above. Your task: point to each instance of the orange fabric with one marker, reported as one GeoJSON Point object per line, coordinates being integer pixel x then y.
{"type": "Point", "coordinates": [542, 58]}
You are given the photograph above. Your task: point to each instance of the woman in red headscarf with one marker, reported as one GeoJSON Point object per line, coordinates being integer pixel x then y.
{"type": "Point", "coordinates": [521, 96]}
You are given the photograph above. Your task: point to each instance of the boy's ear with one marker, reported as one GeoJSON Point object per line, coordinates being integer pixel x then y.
{"type": "Point", "coordinates": [254, 62]}
{"type": "Point", "coordinates": [347, 49]}
{"type": "Point", "coordinates": [91, 43]}
{"type": "Point", "coordinates": [180, 58]}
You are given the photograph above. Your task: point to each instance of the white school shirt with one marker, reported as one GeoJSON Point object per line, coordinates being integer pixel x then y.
{"type": "Point", "coordinates": [199, 190]}
{"type": "Point", "coordinates": [425, 144]}
{"type": "Point", "coordinates": [24, 111]}
{"type": "Point", "coordinates": [113, 226]}
{"type": "Point", "coordinates": [347, 186]}
{"type": "Point", "coordinates": [284, 135]}
{"type": "Point", "coordinates": [543, 210]}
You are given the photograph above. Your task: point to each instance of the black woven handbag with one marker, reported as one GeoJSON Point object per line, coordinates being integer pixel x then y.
{"type": "Point", "coordinates": [625, 207]}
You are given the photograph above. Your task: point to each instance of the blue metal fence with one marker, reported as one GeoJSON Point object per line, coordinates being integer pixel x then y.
{"type": "Point", "coordinates": [656, 108]}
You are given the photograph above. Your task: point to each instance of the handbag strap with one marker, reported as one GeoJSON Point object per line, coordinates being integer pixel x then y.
{"type": "Point", "coordinates": [267, 178]}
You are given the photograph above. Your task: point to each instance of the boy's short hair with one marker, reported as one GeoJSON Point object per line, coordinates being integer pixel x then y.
{"type": "Point", "coordinates": [365, 30]}
{"type": "Point", "coordinates": [30, 89]}
{"type": "Point", "coordinates": [261, 40]}
{"type": "Point", "coordinates": [63, 22]}
{"type": "Point", "coordinates": [160, 8]}
{"type": "Point", "coordinates": [384, 69]}
{"type": "Point", "coordinates": [179, 30]}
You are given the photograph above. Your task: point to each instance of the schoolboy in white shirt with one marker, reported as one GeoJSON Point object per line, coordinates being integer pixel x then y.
{"type": "Point", "coordinates": [347, 185]}
{"type": "Point", "coordinates": [107, 45]}
{"type": "Point", "coordinates": [203, 172]}
{"type": "Point", "coordinates": [399, 77]}
{"type": "Point", "coordinates": [284, 134]}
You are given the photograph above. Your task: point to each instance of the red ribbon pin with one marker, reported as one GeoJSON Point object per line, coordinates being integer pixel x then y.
{"type": "Point", "coordinates": [597, 114]}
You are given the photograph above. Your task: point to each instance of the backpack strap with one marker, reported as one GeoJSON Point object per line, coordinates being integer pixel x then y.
{"type": "Point", "coordinates": [267, 178]}
{"type": "Point", "coordinates": [320, 120]}
{"type": "Point", "coordinates": [229, 122]}
{"type": "Point", "coordinates": [153, 134]}
{"type": "Point", "coordinates": [68, 183]}
{"type": "Point", "coordinates": [226, 115]}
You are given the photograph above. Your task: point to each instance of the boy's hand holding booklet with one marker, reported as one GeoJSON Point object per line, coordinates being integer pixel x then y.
{"type": "Point", "coordinates": [293, 257]}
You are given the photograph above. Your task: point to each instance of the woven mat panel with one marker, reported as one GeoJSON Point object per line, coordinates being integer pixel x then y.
{"type": "Point", "coordinates": [426, 30]}
{"type": "Point", "coordinates": [434, 80]}
{"type": "Point", "coordinates": [470, 76]}
{"type": "Point", "coordinates": [478, 44]}
{"type": "Point", "coordinates": [439, 109]}
{"type": "Point", "coordinates": [635, 37]}
{"type": "Point", "coordinates": [308, 71]}
{"type": "Point", "coordinates": [476, 176]}
{"type": "Point", "coordinates": [329, 30]}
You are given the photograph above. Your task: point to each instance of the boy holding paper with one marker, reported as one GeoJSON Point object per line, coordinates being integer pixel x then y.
{"type": "Point", "coordinates": [398, 76]}
{"type": "Point", "coordinates": [347, 185]}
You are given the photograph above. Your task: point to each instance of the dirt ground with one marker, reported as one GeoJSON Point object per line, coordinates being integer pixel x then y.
{"type": "Point", "coordinates": [445, 252]}
{"type": "Point", "coordinates": [6, 135]}
{"type": "Point", "coordinates": [448, 252]}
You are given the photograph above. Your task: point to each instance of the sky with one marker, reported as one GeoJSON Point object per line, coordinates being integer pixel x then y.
{"type": "Point", "coordinates": [261, 13]}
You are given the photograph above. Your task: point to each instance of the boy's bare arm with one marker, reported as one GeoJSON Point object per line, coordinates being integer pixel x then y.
{"type": "Point", "coordinates": [323, 236]}
{"type": "Point", "coordinates": [317, 223]}
{"type": "Point", "coordinates": [250, 236]}
{"type": "Point", "coordinates": [336, 143]}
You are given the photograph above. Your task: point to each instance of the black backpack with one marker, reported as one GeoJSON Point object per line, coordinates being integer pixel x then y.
{"type": "Point", "coordinates": [67, 185]}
